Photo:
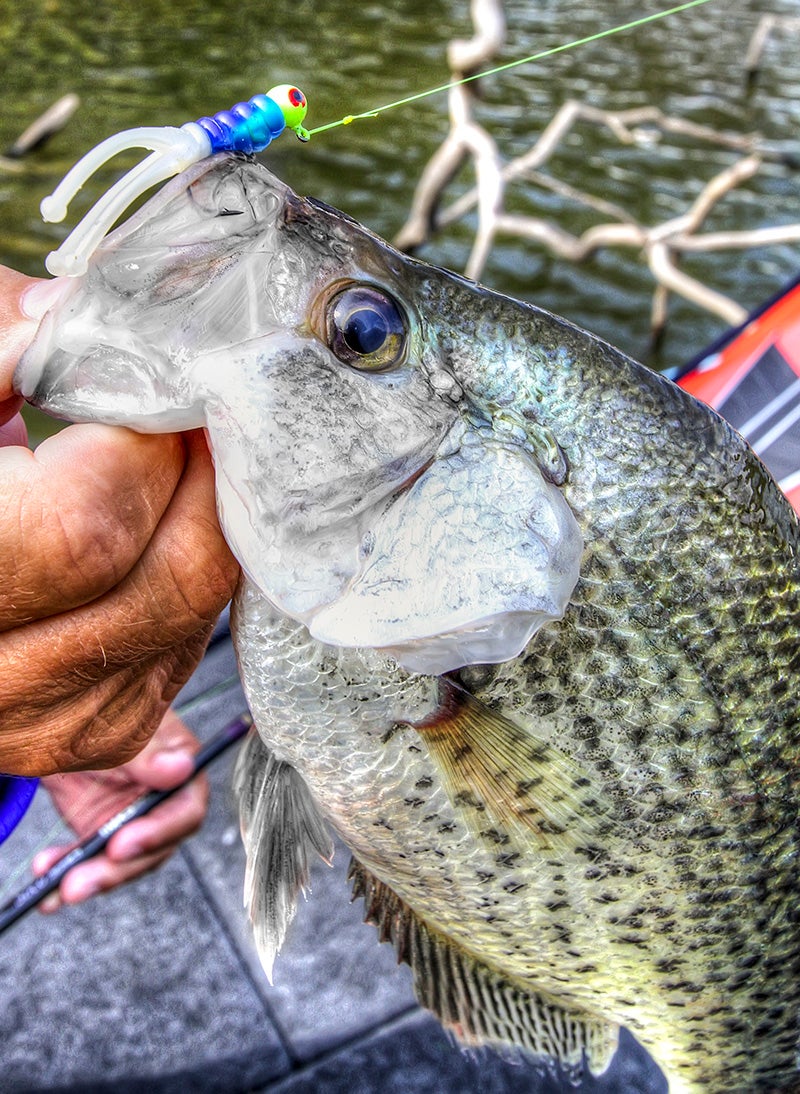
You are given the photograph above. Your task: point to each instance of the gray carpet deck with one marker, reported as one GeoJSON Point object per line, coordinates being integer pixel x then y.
{"type": "Point", "coordinates": [156, 987]}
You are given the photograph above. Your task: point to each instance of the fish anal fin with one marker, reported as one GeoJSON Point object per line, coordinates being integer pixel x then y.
{"type": "Point", "coordinates": [504, 779]}
{"type": "Point", "coordinates": [478, 1004]}
{"type": "Point", "coordinates": [281, 831]}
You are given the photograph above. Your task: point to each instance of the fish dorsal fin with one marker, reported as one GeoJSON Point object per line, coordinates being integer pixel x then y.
{"type": "Point", "coordinates": [505, 780]}
{"type": "Point", "coordinates": [478, 1004]}
{"type": "Point", "coordinates": [281, 829]}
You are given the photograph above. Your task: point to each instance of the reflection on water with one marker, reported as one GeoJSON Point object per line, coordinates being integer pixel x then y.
{"type": "Point", "coordinates": [155, 62]}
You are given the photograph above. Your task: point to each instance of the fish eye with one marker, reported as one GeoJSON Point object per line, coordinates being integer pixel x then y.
{"type": "Point", "coordinates": [365, 328]}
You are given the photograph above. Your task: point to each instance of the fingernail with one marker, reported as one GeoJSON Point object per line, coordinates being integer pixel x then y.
{"type": "Point", "coordinates": [42, 296]}
{"type": "Point", "coordinates": [129, 851]}
{"type": "Point", "coordinates": [50, 904]}
{"type": "Point", "coordinates": [81, 890]}
{"type": "Point", "coordinates": [174, 759]}
{"type": "Point", "coordinates": [40, 863]}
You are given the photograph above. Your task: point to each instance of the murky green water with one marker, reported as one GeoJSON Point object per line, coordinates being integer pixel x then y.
{"type": "Point", "coordinates": [157, 62]}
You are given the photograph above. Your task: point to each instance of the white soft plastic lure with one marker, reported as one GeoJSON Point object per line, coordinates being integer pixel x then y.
{"type": "Point", "coordinates": [247, 127]}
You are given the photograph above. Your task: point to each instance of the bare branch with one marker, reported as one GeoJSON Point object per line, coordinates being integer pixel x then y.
{"type": "Point", "coordinates": [564, 245]}
{"type": "Point", "coordinates": [51, 121]}
{"type": "Point", "coordinates": [729, 241]}
{"type": "Point", "coordinates": [440, 170]}
{"type": "Point", "coordinates": [669, 276]}
{"type": "Point", "coordinates": [758, 42]}
{"type": "Point", "coordinates": [466, 57]}
{"type": "Point", "coordinates": [719, 186]}
{"type": "Point", "coordinates": [626, 125]}
{"type": "Point", "coordinates": [662, 244]}
{"type": "Point", "coordinates": [466, 139]}
{"type": "Point", "coordinates": [580, 197]}
{"type": "Point", "coordinates": [761, 35]}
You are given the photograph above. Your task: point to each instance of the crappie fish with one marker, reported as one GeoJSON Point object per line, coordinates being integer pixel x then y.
{"type": "Point", "coordinates": [519, 620]}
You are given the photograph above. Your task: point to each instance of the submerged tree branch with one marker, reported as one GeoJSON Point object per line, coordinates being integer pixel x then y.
{"type": "Point", "coordinates": [662, 244]}
{"type": "Point", "coordinates": [767, 26]}
{"type": "Point", "coordinates": [51, 121]}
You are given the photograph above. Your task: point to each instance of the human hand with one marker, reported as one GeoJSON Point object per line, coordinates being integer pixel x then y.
{"type": "Point", "coordinates": [16, 332]}
{"type": "Point", "coordinates": [88, 799]}
{"type": "Point", "coordinates": [114, 570]}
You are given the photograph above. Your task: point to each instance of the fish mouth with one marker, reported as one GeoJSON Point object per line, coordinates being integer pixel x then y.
{"type": "Point", "coordinates": [65, 384]}
{"type": "Point", "coordinates": [67, 388]}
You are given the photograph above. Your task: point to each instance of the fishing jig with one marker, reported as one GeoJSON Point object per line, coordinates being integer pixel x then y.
{"type": "Point", "coordinates": [246, 127]}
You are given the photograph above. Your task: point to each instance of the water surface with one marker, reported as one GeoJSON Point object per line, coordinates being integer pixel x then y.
{"type": "Point", "coordinates": [155, 62]}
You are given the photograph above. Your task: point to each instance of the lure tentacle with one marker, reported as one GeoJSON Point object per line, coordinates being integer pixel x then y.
{"type": "Point", "coordinates": [164, 139]}
{"type": "Point", "coordinates": [247, 127]}
{"type": "Point", "coordinates": [172, 157]}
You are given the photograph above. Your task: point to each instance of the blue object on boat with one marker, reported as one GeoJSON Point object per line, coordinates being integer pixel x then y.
{"type": "Point", "coordinates": [16, 795]}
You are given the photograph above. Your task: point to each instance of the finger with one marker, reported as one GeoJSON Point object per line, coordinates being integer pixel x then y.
{"type": "Point", "coordinates": [77, 514]}
{"type": "Point", "coordinates": [184, 576]}
{"type": "Point", "coordinates": [100, 874]}
{"type": "Point", "coordinates": [167, 759]}
{"type": "Point", "coordinates": [44, 860]}
{"type": "Point", "coordinates": [16, 331]}
{"type": "Point", "coordinates": [101, 723]}
{"type": "Point", "coordinates": [10, 406]}
{"type": "Point", "coordinates": [163, 769]}
{"type": "Point", "coordinates": [13, 432]}
{"type": "Point", "coordinates": [84, 666]}
{"type": "Point", "coordinates": [174, 820]}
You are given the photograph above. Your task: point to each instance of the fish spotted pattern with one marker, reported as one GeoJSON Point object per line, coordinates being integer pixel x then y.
{"type": "Point", "coordinates": [519, 620]}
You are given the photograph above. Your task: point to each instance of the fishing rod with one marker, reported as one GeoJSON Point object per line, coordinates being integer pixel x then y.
{"type": "Point", "coordinates": [92, 845]}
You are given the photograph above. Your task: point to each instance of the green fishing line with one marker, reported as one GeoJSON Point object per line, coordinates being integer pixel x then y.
{"type": "Point", "coordinates": [511, 64]}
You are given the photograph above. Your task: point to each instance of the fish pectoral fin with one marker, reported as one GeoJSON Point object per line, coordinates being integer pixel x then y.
{"type": "Point", "coordinates": [506, 782]}
{"type": "Point", "coordinates": [479, 1004]}
{"type": "Point", "coordinates": [281, 830]}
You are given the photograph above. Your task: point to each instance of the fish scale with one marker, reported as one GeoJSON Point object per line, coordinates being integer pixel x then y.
{"type": "Point", "coordinates": [349, 743]}
{"type": "Point", "coordinates": [573, 813]}
{"type": "Point", "coordinates": [484, 887]}
{"type": "Point", "coordinates": [700, 752]}
{"type": "Point", "coordinates": [467, 884]}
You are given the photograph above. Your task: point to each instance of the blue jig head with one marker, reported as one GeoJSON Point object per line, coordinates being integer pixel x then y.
{"type": "Point", "coordinates": [246, 127]}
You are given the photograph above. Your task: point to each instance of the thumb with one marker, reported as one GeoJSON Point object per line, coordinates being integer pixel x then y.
{"type": "Point", "coordinates": [16, 332]}
{"type": "Point", "coordinates": [13, 432]}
